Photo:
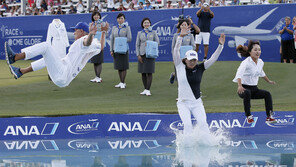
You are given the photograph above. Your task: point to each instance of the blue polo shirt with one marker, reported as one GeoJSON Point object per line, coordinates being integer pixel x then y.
{"type": "Point", "coordinates": [285, 35]}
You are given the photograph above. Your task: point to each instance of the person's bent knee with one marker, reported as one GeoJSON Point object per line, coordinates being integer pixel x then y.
{"type": "Point", "coordinates": [245, 94]}
{"type": "Point", "coordinates": [267, 94]}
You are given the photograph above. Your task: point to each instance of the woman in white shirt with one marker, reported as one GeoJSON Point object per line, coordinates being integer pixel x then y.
{"type": "Point", "coordinates": [247, 77]}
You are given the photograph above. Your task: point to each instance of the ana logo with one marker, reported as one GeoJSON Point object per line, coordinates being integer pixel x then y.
{"type": "Point", "coordinates": [252, 125]}
{"type": "Point", "coordinates": [89, 146]}
{"type": "Point", "coordinates": [288, 120]}
{"type": "Point", "coordinates": [247, 144]}
{"type": "Point", "coordinates": [151, 125]}
{"type": "Point", "coordinates": [119, 144]}
{"type": "Point", "coordinates": [233, 123]}
{"type": "Point", "coordinates": [280, 144]}
{"type": "Point", "coordinates": [178, 125]}
{"type": "Point", "coordinates": [162, 30]}
{"type": "Point", "coordinates": [130, 144]}
{"type": "Point", "coordinates": [48, 129]}
{"type": "Point", "coordinates": [84, 127]}
{"type": "Point", "coordinates": [49, 145]}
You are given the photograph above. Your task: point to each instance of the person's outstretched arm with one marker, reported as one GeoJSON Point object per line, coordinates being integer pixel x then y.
{"type": "Point", "coordinates": [176, 54]}
{"type": "Point", "coordinates": [92, 32]}
{"type": "Point", "coordinates": [104, 29]}
{"type": "Point", "coordinates": [217, 53]}
{"type": "Point", "coordinates": [174, 42]}
{"type": "Point", "coordinates": [90, 36]}
{"type": "Point", "coordinates": [199, 11]}
{"type": "Point", "coordinates": [269, 81]}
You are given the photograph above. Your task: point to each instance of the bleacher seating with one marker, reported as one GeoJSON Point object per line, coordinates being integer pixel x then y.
{"type": "Point", "coordinates": [88, 5]}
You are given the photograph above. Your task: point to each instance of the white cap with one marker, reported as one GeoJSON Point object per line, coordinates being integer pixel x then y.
{"type": "Point", "coordinates": [191, 54]}
{"type": "Point", "coordinates": [205, 4]}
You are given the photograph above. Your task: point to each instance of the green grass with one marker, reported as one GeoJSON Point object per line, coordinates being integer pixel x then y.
{"type": "Point", "coordinates": [34, 95]}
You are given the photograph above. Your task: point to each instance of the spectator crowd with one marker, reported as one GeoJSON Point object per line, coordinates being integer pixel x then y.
{"type": "Point", "coordinates": [9, 8]}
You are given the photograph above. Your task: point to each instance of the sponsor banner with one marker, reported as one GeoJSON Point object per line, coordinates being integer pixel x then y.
{"type": "Point", "coordinates": [137, 125]}
{"type": "Point", "coordinates": [260, 22]}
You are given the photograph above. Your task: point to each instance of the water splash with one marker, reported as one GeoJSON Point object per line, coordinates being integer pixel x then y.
{"type": "Point", "coordinates": [201, 148]}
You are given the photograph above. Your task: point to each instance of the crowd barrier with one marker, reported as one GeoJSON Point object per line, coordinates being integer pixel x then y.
{"type": "Point", "coordinates": [136, 125]}
{"type": "Point", "coordinates": [239, 23]}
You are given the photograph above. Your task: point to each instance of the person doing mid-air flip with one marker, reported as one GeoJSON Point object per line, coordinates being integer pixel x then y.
{"type": "Point", "coordinates": [61, 70]}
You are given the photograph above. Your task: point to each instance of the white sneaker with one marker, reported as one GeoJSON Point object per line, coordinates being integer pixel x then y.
{"type": "Point", "coordinates": [123, 85]}
{"type": "Point", "coordinates": [96, 79]}
{"type": "Point", "coordinates": [144, 92]}
{"type": "Point", "coordinates": [148, 93]}
{"type": "Point", "coordinates": [118, 85]}
{"type": "Point", "coordinates": [99, 80]}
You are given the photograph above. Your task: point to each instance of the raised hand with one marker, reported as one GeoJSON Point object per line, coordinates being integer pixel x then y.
{"type": "Point", "coordinates": [271, 82]}
{"type": "Point", "coordinates": [93, 28]}
{"type": "Point", "coordinates": [105, 27]}
{"type": "Point", "coordinates": [184, 31]}
{"type": "Point", "coordinates": [190, 20]}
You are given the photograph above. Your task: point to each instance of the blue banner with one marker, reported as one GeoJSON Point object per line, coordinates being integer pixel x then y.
{"type": "Point", "coordinates": [136, 125]}
{"type": "Point", "coordinates": [239, 23]}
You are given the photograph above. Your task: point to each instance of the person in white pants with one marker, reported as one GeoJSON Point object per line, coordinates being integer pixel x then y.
{"type": "Point", "coordinates": [61, 70]}
{"type": "Point", "coordinates": [189, 78]}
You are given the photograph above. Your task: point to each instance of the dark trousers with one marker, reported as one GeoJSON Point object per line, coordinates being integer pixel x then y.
{"type": "Point", "coordinates": [288, 49]}
{"type": "Point", "coordinates": [252, 92]}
